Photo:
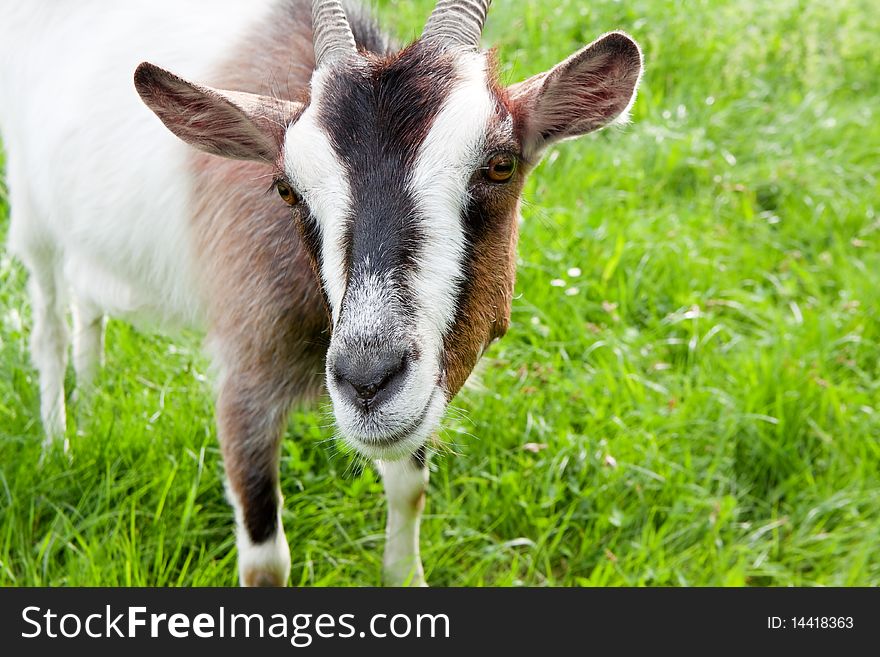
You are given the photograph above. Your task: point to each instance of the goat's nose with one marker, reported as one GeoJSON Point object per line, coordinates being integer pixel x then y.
{"type": "Point", "coordinates": [368, 382]}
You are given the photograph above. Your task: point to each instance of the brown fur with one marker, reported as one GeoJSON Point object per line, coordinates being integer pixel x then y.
{"type": "Point", "coordinates": [485, 312]}
{"type": "Point", "coordinates": [268, 325]}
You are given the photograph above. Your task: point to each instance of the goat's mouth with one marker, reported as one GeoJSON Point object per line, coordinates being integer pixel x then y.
{"type": "Point", "coordinates": [401, 441]}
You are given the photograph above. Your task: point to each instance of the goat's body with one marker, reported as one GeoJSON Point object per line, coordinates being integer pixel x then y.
{"type": "Point", "coordinates": [99, 190]}
{"type": "Point", "coordinates": [101, 193]}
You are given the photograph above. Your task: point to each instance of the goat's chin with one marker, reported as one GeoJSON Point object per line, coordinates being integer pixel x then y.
{"type": "Point", "coordinates": [396, 440]}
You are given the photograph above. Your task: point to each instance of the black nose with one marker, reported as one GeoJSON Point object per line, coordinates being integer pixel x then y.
{"type": "Point", "coordinates": [368, 381]}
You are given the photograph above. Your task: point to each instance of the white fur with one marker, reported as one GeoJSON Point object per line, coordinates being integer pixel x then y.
{"type": "Point", "coordinates": [49, 341]}
{"type": "Point", "coordinates": [368, 306]}
{"type": "Point", "coordinates": [316, 172]}
{"type": "Point", "coordinates": [100, 209]}
{"type": "Point", "coordinates": [405, 485]}
{"type": "Point", "coordinates": [108, 196]}
{"type": "Point", "coordinates": [448, 158]}
{"type": "Point", "coordinates": [88, 341]}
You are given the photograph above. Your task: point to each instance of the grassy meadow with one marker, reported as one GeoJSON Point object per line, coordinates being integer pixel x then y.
{"type": "Point", "coordinates": [689, 393]}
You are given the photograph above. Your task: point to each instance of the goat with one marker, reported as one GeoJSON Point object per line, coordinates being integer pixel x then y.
{"type": "Point", "coordinates": [383, 271]}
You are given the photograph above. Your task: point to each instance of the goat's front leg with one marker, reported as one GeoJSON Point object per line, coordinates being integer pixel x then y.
{"type": "Point", "coordinates": [406, 482]}
{"type": "Point", "coordinates": [250, 421]}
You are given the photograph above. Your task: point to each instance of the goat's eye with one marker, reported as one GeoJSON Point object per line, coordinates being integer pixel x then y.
{"type": "Point", "coordinates": [286, 192]}
{"type": "Point", "coordinates": [500, 168]}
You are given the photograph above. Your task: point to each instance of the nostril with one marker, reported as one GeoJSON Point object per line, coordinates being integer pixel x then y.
{"type": "Point", "coordinates": [369, 382]}
{"type": "Point", "coordinates": [365, 391]}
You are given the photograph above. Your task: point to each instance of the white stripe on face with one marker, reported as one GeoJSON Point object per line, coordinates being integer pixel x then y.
{"type": "Point", "coordinates": [321, 178]}
{"type": "Point", "coordinates": [447, 159]}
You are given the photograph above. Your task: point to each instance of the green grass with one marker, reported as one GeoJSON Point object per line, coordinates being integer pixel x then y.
{"type": "Point", "coordinates": [704, 394]}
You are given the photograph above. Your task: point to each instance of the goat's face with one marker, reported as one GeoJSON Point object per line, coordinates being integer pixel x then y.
{"type": "Point", "coordinates": [407, 179]}
{"type": "Point", "coordinates": [404, 175]}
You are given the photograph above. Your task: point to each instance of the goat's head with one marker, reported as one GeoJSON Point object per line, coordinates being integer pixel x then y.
{"type": "Point", "coordinates": [404, 175]}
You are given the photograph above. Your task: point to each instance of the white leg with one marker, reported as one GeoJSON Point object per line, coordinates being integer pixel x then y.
{"type": "Point", "coordinates": [263, 564]}
{"type": "Point", "coordinates": [249, 423]}
{"type": "Point", "coordinates": [406, 482]}
{"type": "Point", "coordinates": [88, 342]}
{"type": "Point", "coordinates": [49, 340]}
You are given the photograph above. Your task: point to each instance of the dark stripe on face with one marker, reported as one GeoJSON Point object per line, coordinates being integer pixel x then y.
{"type": "Point", "coordinates": [310, 234]}
{"type": "Point", "coordinates": [377, 117]}
{"type": "Point", "coordinates": [477, 223]}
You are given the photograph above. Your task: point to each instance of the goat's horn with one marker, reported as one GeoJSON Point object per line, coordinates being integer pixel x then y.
{"type": "Point", "coordinates": [332, 33]}
{"type": "Point", "coordinates": [457, 22]}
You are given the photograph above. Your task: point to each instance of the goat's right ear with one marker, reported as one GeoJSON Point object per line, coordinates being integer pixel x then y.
{"type": "Point", "coordinates": [589, 90]}
{"type": "Point", "coordinates": [232, 124]}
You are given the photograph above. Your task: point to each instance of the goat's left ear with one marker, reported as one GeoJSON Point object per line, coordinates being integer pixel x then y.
{"type": "Point", "coordinates": [587, 91]}
{"type": "Point", "coordinates": [231, 124]}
